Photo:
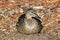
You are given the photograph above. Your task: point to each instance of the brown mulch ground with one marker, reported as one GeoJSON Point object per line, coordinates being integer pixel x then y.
{"type": "Point", "coordinates": [10, 10]}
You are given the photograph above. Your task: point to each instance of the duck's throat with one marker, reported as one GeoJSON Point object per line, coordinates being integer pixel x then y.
{"type": "Point", "coordinates": [30, 24]}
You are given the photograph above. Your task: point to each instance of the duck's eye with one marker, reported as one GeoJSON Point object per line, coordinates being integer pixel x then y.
{"type": "Point", "coordinates": [32, 12]}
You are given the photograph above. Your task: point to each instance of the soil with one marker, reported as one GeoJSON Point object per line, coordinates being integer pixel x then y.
{"type": "Point", "coordinates": [11, 10]}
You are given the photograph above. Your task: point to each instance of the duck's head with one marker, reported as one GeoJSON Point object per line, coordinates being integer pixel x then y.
{"type": "Point", "coordinates": [32, 13]}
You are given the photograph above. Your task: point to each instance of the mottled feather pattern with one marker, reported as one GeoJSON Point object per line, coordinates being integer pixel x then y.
{"type": "Point", "coordinates": [29, 23]}
{"type": "Point", "coordinates": [21, 20]}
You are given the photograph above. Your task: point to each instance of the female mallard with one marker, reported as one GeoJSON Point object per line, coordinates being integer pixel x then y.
{"type": "Point", "coordinates": [29, 23]}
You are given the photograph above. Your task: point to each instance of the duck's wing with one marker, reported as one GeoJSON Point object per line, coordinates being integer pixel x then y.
{"type": "Point", "coordinates": [39, 23]}
{"type": "Point", "coordinates": [20, 20]}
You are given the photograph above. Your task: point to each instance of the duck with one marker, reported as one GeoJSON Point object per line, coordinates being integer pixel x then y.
{"type": "Point", "coordinates": [29, 23]}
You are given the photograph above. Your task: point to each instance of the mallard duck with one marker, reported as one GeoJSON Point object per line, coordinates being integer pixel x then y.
{"type": "Point", "coordinates": [29, 22]}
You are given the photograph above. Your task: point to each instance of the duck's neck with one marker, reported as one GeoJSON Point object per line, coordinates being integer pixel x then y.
{"type": "Point", "coordinates": [28, 16]}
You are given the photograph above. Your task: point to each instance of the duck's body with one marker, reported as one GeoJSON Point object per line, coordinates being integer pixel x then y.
{"type": "Point", "coordinates": [29, 25]}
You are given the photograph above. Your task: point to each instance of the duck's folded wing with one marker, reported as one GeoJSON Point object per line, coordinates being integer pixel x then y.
{"type": "Point", "coordinates": [39, 23]}
{"type": "Point", "coordinates": [20, 20]}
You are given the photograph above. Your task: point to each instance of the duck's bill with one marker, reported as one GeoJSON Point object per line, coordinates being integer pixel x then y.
{"type": "Point", "coordinates": [37, 17]}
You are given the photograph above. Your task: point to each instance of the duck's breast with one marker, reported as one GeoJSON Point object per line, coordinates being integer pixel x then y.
{"type": "Point", "coordinates": [31, 25]}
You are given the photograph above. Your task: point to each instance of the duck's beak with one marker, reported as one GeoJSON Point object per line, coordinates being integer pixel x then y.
{"type": "Point", "coordinates": [37, 17]}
